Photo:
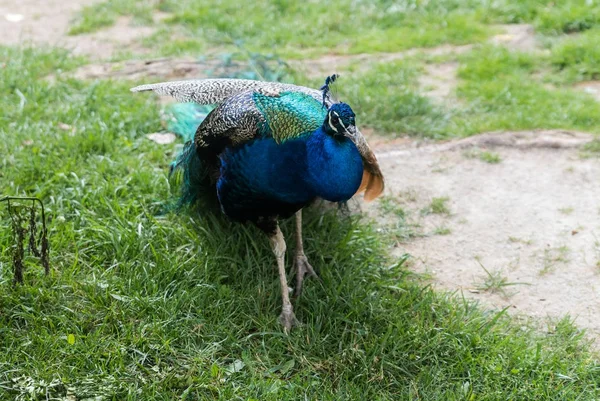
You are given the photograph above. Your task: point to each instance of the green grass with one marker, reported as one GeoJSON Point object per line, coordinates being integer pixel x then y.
{"type": "Point", "coordinates": [566, 210]}
{"type": "Point", "coordinates": [567, 17]}
{"type": "Point", "coordinates": [177, 45]}
{"type": "Point", "coordinates": [517, 240]}
{"type": "Point", "coordinates": [296, 29]}
{"type": "Point", "coordinates": [386, 98]}
{"type": "Point", "coordinates": [495, 282]}
{"type": "Point", "coordinates": [548, 17]}
{"type": "Point", "coordinates": [300, 29]}
{"type": "Point", "coordinates": [578, 58]}
{"type": "Point", "coordinates": [591, 149]}
{"type": "Point", "coordinates": [490, 157]}
{"type": "Point", "coordinates": [442, 230]}
{"type": "Point", "coordinates": [554, 257]}
{"type": "Point", "coordinates": [483, 155]}
{"type": "Point", "coordinates": [103, 15]}
{"type": "Point", "coordinates": [389, 205]}
{"type": "Point", "coordinates": [146, 304]}
{"type": "Point", "coordinates": [497, 90]}
{"type": "Point", "coordinates": [437, 206]}
{"type": "Point", "coordinates": [502, 94]}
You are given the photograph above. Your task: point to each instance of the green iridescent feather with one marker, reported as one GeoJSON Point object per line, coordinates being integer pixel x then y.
{"type": "Point", "coordinates": [289, 115]}
{"type": "Point", "coordinates": [184, 118]}
{"type": "Point", "coordinates": [187, 171]}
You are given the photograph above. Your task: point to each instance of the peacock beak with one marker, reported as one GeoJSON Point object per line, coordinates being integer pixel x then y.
{"type": "Point", "coordinates": [351, 132]}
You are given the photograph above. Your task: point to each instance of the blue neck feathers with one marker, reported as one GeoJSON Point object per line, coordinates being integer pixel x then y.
{"type": "Point", "coordinates": [334, 166]}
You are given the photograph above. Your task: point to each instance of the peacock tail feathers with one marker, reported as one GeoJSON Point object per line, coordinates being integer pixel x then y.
{"type": "Point", "coordinates": [183, 119]}
{"type": "Point", "coordinates": [187, 172]}
{"type": "Point", "coordinates": [213, 91]}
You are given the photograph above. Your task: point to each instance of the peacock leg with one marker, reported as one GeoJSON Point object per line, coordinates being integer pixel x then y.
{"type": "Point", "coordinates": [300, 260]}
{"type": "Point", "coordinates": [287, 317]}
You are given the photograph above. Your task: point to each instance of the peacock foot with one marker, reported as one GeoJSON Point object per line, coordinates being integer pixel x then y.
{"type": "Point", "coordinates": [303, 268]}
{"type": "Point", "coordinates": [287, 318]}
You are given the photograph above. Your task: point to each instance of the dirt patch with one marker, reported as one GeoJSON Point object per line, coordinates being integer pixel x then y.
{"type": "Point", "coordinates": [122, 36]}
{"type": "Point", "coordinates": [533, 219]}
{"type": "Point", "coordinates": [34, 21]}
{"type": "Point", "coordinates": [438, 81]}
{"type": "Point", "coordinates": [442, 77]}
{"type": "Point", "coordinates": [590, 87]}
{"type": "Point", "coordinates": [325, 65]}
{"type": "Point", "coordinates": [553, 139]}
{"type": "Point", "coordinates": [164, 68]}
{"type": "Point", "coordinates": [47, 23]}
{"type": "Point", "coordinates": [518, 37]}
{"type": "Point", "coordinates": [187, 67]}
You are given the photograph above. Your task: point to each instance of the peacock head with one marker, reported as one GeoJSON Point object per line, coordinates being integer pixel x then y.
{"type": "Point", "coordinates": [340, 121]}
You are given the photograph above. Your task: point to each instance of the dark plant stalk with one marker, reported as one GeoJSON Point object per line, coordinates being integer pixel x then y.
{"type": "Point", "coordinates": [19, 236]}
{"type": "Point", "coordinates": [19, 251]}
{"type": "Point", "coordinates": [33, 232]}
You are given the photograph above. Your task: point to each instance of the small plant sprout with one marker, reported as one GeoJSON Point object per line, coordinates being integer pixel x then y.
{"type": "Point", "coordinates": [437, 206]}
{"type": "Point", "coordinates": [494, 282]}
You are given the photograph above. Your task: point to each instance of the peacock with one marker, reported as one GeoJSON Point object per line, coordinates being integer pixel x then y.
{"type": "Point", "coordinates": [266, 151]}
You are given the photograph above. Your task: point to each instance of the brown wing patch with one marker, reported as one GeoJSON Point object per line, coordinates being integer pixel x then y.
{"type": "Point", "coordinates": [372, 185]}
{"type": "Point", "coordinates": [372, 182]}
{"type": "Point", "coordinates": [364, 183]}
{"type": "Point", "coordinates": [374, 188]}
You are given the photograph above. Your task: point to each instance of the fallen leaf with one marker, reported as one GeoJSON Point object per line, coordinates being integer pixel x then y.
{"type": "Point", "coordinates": [234, 367]}
{"type": "Point", "coordinates": [14, 17]}
{"type": "Point", "coordinates": [162, 138]}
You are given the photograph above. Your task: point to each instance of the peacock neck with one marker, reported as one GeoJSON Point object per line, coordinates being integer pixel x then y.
{"type": "Point", "coordinates": [334, 166]}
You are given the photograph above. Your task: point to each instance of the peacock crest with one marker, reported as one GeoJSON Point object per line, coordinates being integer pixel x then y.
{"type": "Point", "coordinates": [328, 88]}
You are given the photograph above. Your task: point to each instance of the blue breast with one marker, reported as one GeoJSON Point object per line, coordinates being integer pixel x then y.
{"type": "Point", "coordinates": [335, 166]}
{"type": "Point", "coordinates": [266, 178]}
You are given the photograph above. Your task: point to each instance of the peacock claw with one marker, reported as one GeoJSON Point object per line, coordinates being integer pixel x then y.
{"type": "Point", "coordinates": [302, 269]}
{"type": "Point", "coordinates": [288, 319]}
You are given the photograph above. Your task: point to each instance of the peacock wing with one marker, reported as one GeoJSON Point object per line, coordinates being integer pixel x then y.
{"type": "Point", "coordinates": [264, 113]}
{"type": "Point", "coordinates": [289, 114]}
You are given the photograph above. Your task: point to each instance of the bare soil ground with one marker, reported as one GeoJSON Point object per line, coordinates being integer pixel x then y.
{"type": "Point", "coordinates": [46, 22]}
{"type": "Point", "coordinates": [532, 219]}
